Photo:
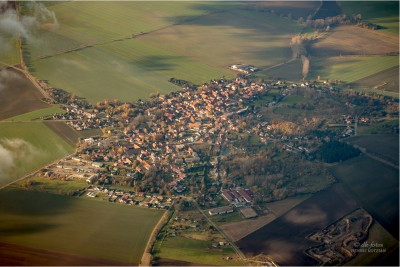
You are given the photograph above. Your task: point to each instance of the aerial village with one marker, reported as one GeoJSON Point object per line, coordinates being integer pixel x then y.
{"type": "Point", "coordinates": [160, 137]}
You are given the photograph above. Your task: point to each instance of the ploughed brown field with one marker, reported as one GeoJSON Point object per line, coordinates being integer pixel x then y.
{"type": "Point", "coordinates": [18, 95]}
{"type": "Point", "coordinates": [68, 134]}
{"type": "Point", "coordinates": [284, 238]}
{"type": "Point", "coordinates": [16, 255]}
{"type": "Point", "coordinates": [353, 40]}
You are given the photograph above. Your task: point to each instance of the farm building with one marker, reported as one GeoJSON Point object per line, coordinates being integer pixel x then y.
{"type": "Point", "coordinates": [97, 164]}
{"type": "Point", "coordinates": [238, 196]}
{"type": "Point", "coordinates": [221, 210]}
{"type": "Point", "coordinates": [248, 212]}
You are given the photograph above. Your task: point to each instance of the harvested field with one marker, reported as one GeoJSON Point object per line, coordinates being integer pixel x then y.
{"type": "Point", "coordinates": [386, 80]}
{"type": "Point", "coordinates": [17, 255]}
{"type": "Point", "coordinates": [88, 227]}
{"type": "Point", "coordinates": [9, 53]}
{"type": "Point", "coordinates": [18, 95]}
{"type": "Point", "coordinates": [282, 206]}
{"type": "Point", "coordinates": [284, 238]}
{"type": "Point", "coordinates": [375, 186]}
{"type": "Point", "coordinates": [296, 8]}
{"type": "Point", "coordinates": [385, 145]}
{"type": "Point", "coordinates": [239, 230]}
{"type": "Point", "coordinates": [352, 40]}
{"type": "Point", "coordinates": [68, 134]}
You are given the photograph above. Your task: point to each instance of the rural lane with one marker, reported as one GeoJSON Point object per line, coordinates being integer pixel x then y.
{"type": "Point", "coordinates": [242, 257]}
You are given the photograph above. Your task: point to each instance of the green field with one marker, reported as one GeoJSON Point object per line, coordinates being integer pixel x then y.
{"type": "Point", "coordinates": [228, 38]}
{"type": "Point", "coordinates": [195, 251]}
{"type": "Point", "coordinates": [55, 186]}
{"type": "Point", "coordinates": [75, 225]}
{"type": "Point", "coordinates": [37, 114]}
{"type": "Point", "coordinates": [127, 70]}
{"type": "Point", "coordinates": [350, 69]}
{"type": "Point", "coordinates": [381, 127]}
{"type": "Point", "coordinates": [27, 146]}
{"type": "Point", "coordinates": [272, 19]}
{"type": "Point", "coordinates": [103, 21]}
{"type": "Point", "coordinates": [291, 71]}
{"type": "Point", "coordinates": [10, 51]}
{"type": "Point", "coordinates": [289, 111]}
{"type": "Point", "coordinates": [383, 13]}
{"type": "Point", "coordinates": [374, 185]}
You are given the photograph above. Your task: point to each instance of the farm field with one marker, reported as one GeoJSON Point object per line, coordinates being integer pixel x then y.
{"type": "Point", "coordinates": [18, 95]}
{"type": "Point", "coordinates": [350, 69]}
{"type": "Point", "coordinates": [10, 51]}
{"type": "Point", "coordinates": [272, 19]}
{"type": "Point", "coordinates": [378, 235]}
{"type": "Point", "coordinates": [95, 74]}
{"type": "Point", "coordinates": [289, 111]}
{"type": "Point", "coordinates": [276, 239]}
{"type": "Point", "coordinates": [37, 114]}
{"type": "Point", "coordinates": [195, 251]}
{"type": "Point", "coordinates": [385, 14]}
{"type": "Point", "coordinates": [75, 225]}
{"type": "Point", "coordinates": [65, 132]}
{"type": "Point", "coordinates": [296, 8]}
{"type": "Point", "coordinates": [373, 185]}
{"type": "Point", "coordinates": [164, 63]}
{"type": "Point", "coordinates": [381, 128]}
{"type": "Point", "coordinates": [104, 21]}
{"type": "Point", "coordinates": [26, 147]}
{"type": "Point", "coordinates": [238, 230]}
{"type": "Point", "coordinates": [386, 145]}
{"type": "Point", "coordinates": [16, 255]}
{"type": "Point", "coordinates": [269, 44]}
{"type": "Point", "coordinates": [291, 71]}
{"type": "Point", "coordinates": [389, 76]}
{"type": "Point", "coordinates": [352, 40]}
{"type": "Point", "coordinates": [282, 206]}
{"type": "Point", "coordinates": [55, 186]}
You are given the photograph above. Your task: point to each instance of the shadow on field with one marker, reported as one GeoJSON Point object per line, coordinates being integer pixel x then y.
{"type": "Point", "coordinates": [24, 229]}
{"type": "Point", "coordinates": [21, 202]}
{"type": "Point", "coordinates": [159, 63]}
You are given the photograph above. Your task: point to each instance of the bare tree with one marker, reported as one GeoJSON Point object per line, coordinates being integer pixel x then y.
{"type": "Point", "coordinates": [306, 65]}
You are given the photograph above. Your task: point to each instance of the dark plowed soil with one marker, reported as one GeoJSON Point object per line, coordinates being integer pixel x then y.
{"type": "Point", "coordinates": [16, 255]}
{"type": "Point", "coordinates": [18, 95]}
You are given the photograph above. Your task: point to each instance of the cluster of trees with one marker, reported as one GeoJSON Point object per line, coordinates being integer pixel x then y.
{"type": "Point", "coordinates": [182, 83]}
{"type": "Point", "coordinates": [336, 151]}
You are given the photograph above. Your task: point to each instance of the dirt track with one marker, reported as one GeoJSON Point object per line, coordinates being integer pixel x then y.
{"type": "Point", "coordinates": [16, 255]}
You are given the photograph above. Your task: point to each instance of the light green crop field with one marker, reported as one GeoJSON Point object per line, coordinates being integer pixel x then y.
{"type": "Point", "coordinates": [116, 19]}
{"type": "Point", "coordinates": [27, 146]}
{"type": "Point", "coordinates": [228, 39]}
{"type": "Point", "coordinates": [350, 69]}
{"type": "Point", "coordinates": [126, 70]}
{"type": "Point", "coordinates": [195, 251]}
{"type": "Point", "coordinates": [37, 114]}
{"type": "Point", "coordinates": [10, 51]}
{"type": "Point", "coordinates": [383, 13]}
{"type": "Point", "coordinates": [164, 63]}
{"type": "Point", "coordinates": [75, 225]}
{"type": "Point", "coordinates": [272, 19]}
